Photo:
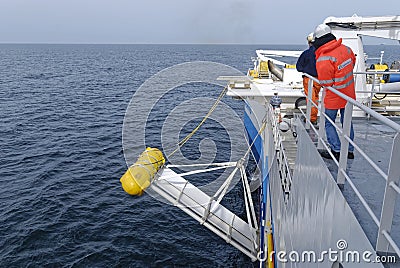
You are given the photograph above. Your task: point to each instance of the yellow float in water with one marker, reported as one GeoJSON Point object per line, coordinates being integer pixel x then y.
{"type": "Point", "coordinates": [139, 176]}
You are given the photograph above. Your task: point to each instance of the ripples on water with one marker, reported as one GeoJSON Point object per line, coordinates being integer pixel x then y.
{"type": "Point", "coordinates": [61, 204]}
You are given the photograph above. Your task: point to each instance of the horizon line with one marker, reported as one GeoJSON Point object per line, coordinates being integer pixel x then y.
{"type": "Point", "coordinates": [127, 43]}
{"type": "Point", "coordinates": [122, 43]}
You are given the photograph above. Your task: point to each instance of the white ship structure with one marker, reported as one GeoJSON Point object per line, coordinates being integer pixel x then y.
{"type": "Point", "coordinates": [302, 216]}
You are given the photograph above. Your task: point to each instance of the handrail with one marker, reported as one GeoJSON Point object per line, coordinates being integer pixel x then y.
{"type": "Point", "coordinates": [366, 157]}
{"type": "Point", "coordinates": [365, 204]}
{"type": "Point", "coordinates": [376, 72]}
{"type": "Point", "coordinates": [392, 189]}
{"type": "Point", "coordinates": [366, 109]}
{"type": "Point", "coordinates": [278, 141]}
{"type": "Point", "coordinates": [391, 242]}
{"type": "Point", "coordinates": [395, 187]}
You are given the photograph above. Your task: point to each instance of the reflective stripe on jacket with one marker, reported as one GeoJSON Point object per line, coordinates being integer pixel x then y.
{"type": "Point", "coordinates": [335, 64]}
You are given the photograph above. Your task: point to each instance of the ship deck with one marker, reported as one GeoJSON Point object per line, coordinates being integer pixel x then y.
{"type": "Point", "coordinates": [375, 140]}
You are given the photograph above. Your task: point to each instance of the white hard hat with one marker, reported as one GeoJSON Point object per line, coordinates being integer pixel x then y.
{"type": "Point", "coordinates": [310, 37]}
{"type": "Point", "coordinates": [321, 30]}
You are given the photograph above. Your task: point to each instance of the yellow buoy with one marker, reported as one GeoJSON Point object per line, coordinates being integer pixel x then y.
{"type": "Point", "coordinates": [139, 176]}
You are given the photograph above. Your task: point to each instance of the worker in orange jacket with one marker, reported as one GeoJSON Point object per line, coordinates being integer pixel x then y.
{"type": "Point", "coordinates": [334, 63]}
{"type": "Point", "coordinates": [306, 64]}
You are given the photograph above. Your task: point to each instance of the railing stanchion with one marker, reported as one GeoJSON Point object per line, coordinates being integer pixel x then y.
{"type": "Point", "coordinates": [348, 112]}
{"type": "Point", "coordinates": [389, 201]}
{"type": "Point", "coordinates": [385, 242]}
{"type": "Point", "coordinates": [321, 130]}
{"type": "Point", "coordinates": [309, 105]}
{"type": "Point", "coordinates": [372, 95]}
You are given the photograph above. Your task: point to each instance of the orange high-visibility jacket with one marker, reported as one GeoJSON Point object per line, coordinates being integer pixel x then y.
{"type": "Point", "coordinates": [335, 63]}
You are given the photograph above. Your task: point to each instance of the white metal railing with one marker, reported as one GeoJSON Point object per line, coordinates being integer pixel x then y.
{"type": "Point", "coordinates": [283, 165]}
{"type": "Point", "coordinates": [375, 84]}
{"type": "Point", "coordinates": [392, 176]}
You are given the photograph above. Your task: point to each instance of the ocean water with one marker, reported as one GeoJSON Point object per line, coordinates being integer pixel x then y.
{"type": "Point", "coordinates": [62, 109]}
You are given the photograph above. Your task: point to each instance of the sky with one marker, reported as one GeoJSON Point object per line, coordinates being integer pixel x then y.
{"type": "Point", "coordinates": [174, 21]}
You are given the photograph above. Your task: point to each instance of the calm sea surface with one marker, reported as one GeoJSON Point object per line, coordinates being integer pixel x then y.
{"type": "Point", "coordinates": [61, 204]}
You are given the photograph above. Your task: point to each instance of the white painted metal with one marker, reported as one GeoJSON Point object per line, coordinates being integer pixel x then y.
{"type": "Point", "coordinates": [395, 187]}
{"type": "Point", "coordinates": [270, 55]}
{"type": "Point", "coordinates": [362, 199]}
{"type": "Point", "coordinates": [278, 53]}
{"type": "Point", "coordinates": [351, 30]}
{"type": "Point", "coordinates": [321, 130]}
{"type": "Point", "coordinates": [315, 215]}
{"type": "Point", "coordinates": [223, 164]}
{"type": "Point", "coordinates": [247, 194]}
{"type": "Point", "coordinates": [309, 101]}
{"type": "Point", "coordinates": [391, 242]}
{"type": "Point", "coordinates": [344, 142]}
{"type": "Point", "coordinates": [366, 157]}
{"type": "Point", "coordinates": [366, 109]}
{"type": "Point", "coordinates": [393, 175]}
{"type": "Point", "coordinates": [378, 26]}
{"type": "Point", "coordinates": [195, 202]}
{"type": "Point", "coordinates": [389, 197]}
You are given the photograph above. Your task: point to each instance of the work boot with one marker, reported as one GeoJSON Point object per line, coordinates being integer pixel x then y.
{"type": "Point", "coordinates": [315, 124]}
{"type": "Point", "coordinates": [325, 154]}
